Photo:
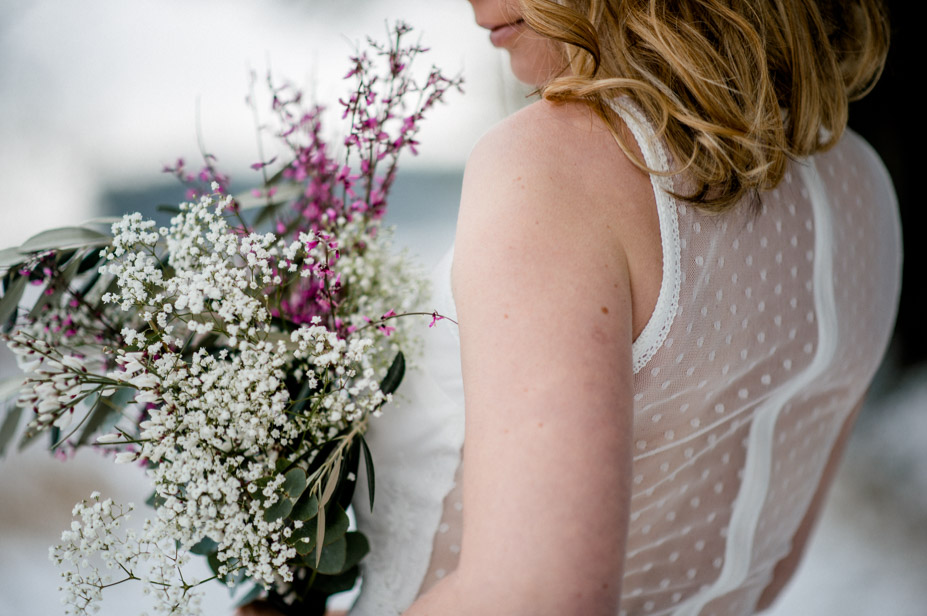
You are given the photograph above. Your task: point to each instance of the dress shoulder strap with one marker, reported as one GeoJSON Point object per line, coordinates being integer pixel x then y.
{"type": "Point", "coordinates": [655, 156]}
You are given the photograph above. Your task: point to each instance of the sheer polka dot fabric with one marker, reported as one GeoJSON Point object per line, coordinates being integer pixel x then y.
{"type": "Point", "coordinates": [745, 334]}
{"type": "Point", "coordinates": [771, 322]}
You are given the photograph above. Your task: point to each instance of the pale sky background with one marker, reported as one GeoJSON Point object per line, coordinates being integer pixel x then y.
{"type": "Point", "coordinates": [98, 94]}
{"type": "Point", "coordinates": [101, 93]}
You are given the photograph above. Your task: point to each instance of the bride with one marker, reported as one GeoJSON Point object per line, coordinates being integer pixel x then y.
{"type": "Point", "coordinates": [675, 276]}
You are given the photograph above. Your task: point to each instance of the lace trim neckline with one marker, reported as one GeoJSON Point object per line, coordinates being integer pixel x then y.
{"type": "Point", "coordinates": [654, 334]}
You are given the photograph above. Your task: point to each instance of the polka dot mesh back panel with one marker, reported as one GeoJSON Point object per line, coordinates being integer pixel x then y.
{"type": "Point", "coordinates": [771, 322]}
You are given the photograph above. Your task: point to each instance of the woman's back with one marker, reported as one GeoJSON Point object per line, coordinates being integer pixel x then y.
{"type": "Point", "coordinates": [770, 323]}
{"type": "Point", "coordinates": [785, 306]}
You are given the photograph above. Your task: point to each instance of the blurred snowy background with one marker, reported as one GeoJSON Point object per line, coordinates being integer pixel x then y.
{"type": "Point", "coordinates": [96, 96]}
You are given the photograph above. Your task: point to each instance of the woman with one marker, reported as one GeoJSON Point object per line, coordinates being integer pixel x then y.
{"type": "Point", "coordinates": [675, 276]}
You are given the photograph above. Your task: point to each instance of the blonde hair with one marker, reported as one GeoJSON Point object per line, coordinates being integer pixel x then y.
{"type": "Point", "coordinates": [734, 87]}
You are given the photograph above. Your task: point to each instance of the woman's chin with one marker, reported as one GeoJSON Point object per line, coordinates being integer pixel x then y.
{"type": "Point", "coordinates": [530, 72]}
{"type": "Point", "coordinates": [536, 65]}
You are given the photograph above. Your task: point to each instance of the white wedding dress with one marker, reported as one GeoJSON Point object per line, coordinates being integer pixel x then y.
{"type": "Point", "coordinates": [770, 324]}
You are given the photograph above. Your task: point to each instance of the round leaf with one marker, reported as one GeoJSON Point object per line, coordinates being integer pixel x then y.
{"type": "Point", "coordinates": [333, 558]}
{"type": "Point", "coordinates": [306, 508]}
{"type": "Point", "coordinates": [356, 548]}
{"type": "Point", "coordinates": [280, 509]}
{"type": "Point", "coordinates": [294, 483]}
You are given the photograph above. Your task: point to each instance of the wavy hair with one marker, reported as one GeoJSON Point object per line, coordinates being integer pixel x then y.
{"type": "Point", "coordinates": [735, 87]}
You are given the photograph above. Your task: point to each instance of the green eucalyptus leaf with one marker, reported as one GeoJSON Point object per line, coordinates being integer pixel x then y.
{"type": "Point", "coordinates": [294, 483]}
{"type": "Point", "coordinates": [303, 539]}
{"type": "Point", "coordinates": [102, 220]}
{"type": "Point", "coordinates": [394, 375]}
{"type": "Point", "coordinates": [9, 303]}
{"type": "Point", "coordinates": [214, 563]}
{"type": "Point", "coordinates": [368, 465]}
{"type": "Point", "coordinates": [356, 548]}
{"type": "Point", "coordinates": [168, 208]}
{"type": "Point", "coordinates": [320, 533]}
{"type": "Point", "coordinates": [204, 547]}
{"type": "Point", "coordinates": [10, 257]}
{"type": "Point", "coordinates": [155, 501]}
{"type": "Point", "coordinates": [235, 579]}
{"type": "Point", "coordinates": [306, 508]}
{"type": "Point", "coordinates": [280, 509]}
{"type": "Point", "coordinates": [281, 465]}
{"type": "Point", "coordinates": [58, 285]}
{"type": "Point", "coordinates": [104, 414]}
{"type": "Point", "coordinates": [307, 537]}
{"type": "Point", "coordinates": [89, 261]}
{"type": "Point", "coordinates": [250, 596]}
{"type": "Point", "coordinates": [65, 237]}
{"type": "Point", "coordinates": [9, 426]}
{"type": "Point", "coordinates": [336, 525]}
{"type": "Point", "coordinates": [333, 557]}
{"type": "Point", "coordinates": [260, 483]}
{"type": "Point", "coordinates": [332, 584]}
{"type": "Point", "coordinates": [332, 481]}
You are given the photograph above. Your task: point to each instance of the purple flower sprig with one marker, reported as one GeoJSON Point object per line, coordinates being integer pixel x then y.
{"type": "Point", "coordinates": [327, 184]}
{"type": "Point", "coordinates": [348, 182]}
{"type": "Point", "coordinates": [198, 183]}
{"type": "Point", "coordinates": [382, 123]}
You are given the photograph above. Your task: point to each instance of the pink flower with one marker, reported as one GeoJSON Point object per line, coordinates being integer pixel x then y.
{"type": "Point", "coordinates": [259, 165]}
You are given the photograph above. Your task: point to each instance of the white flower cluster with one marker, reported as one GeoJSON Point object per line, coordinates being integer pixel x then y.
{"type": "Point", "coordinates": [381, 279]}
{"type": "Point", "coordinates": [218, 431]}
{"type": "Point", "coordinates": [215, 437]}
{"type": "Point", "coordinates": [354, 391]}
{"type": "Point", "coordinates": [98, 535]}
{"type": "Point", "coordinates": [218, 277]}
{"type": "Point", "coordinates": [220, 421]}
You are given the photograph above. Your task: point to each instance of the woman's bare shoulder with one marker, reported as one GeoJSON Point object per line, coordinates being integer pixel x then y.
{"type": "Point", "coordinates": [552, 181]}
{"type": "Point", "coordinates": [560, 153]}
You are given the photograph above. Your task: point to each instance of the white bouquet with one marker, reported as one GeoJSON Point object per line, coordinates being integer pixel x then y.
{"type": "Point", "coordinates": [240, 367]}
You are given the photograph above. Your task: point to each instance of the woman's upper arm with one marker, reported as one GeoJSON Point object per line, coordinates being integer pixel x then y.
{"type": "Point", "coordinates": [543, 300]}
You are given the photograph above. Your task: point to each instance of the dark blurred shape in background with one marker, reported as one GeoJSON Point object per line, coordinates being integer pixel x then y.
{"type": "Point", "coordinates": [889, 118]}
